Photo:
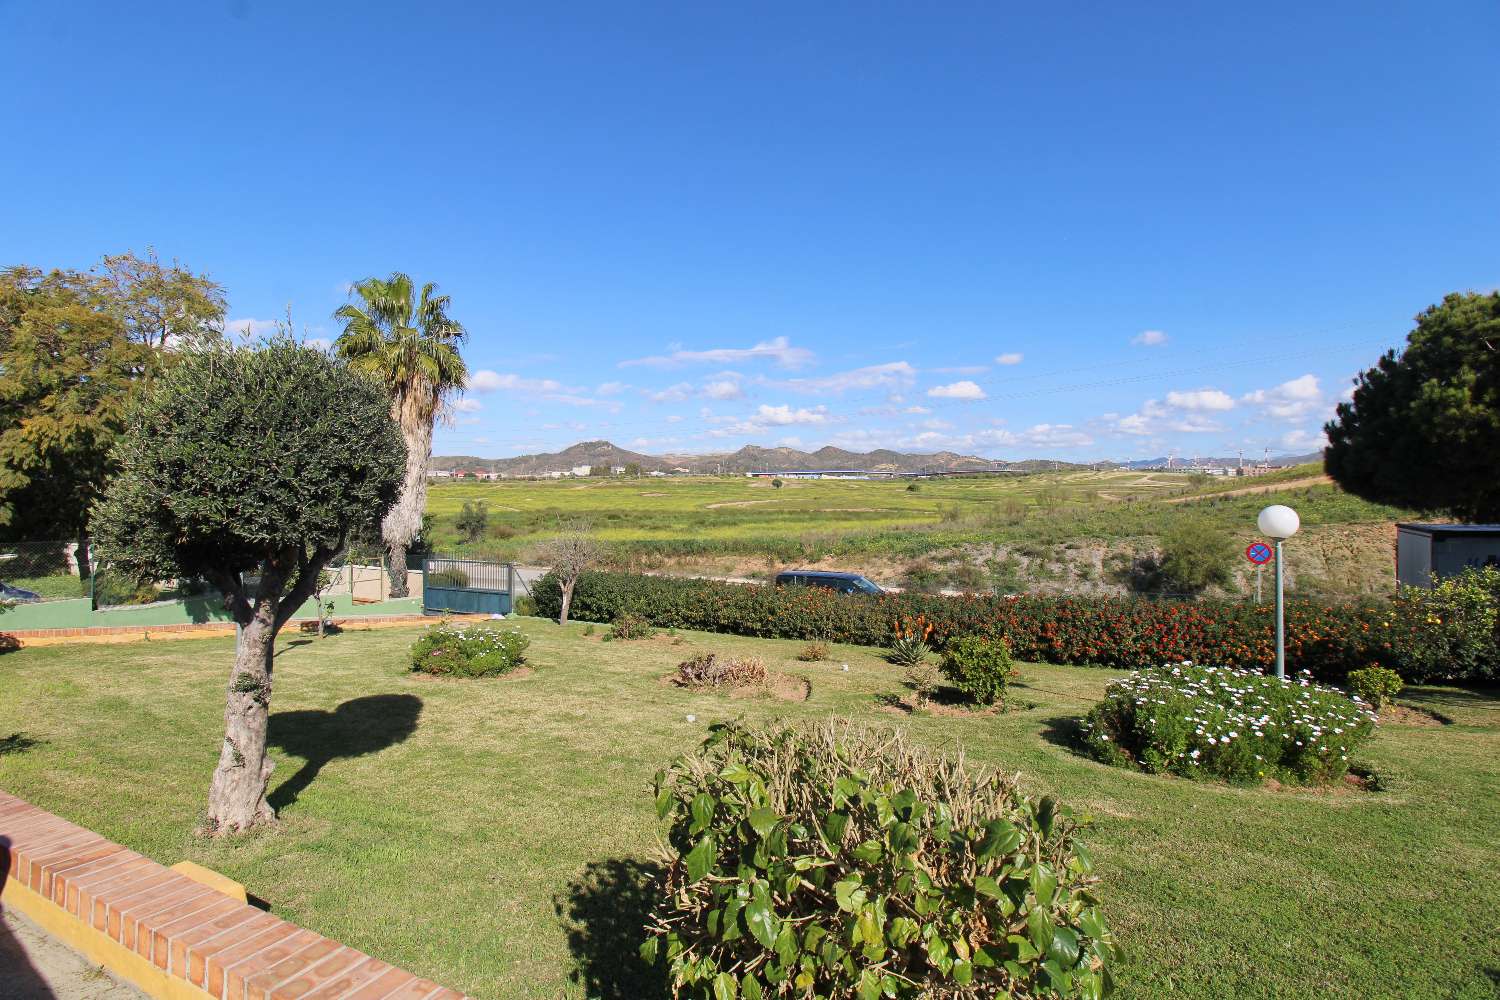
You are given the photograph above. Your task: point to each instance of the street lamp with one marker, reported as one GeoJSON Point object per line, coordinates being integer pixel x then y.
{"type": "Point", "coordinates": [1279, 522]}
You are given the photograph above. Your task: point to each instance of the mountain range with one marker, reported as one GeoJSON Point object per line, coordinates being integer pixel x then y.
{"type": "Point", "coordinates": [754, 459]}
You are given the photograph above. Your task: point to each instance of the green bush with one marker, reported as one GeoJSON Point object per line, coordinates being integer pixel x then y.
{"type": "Point", "coordinates": [112, 589]}
{"type": "Point", "coordinates": [525, 605]}
{"type": "Point", "coordinates": [1375, 686]}
{"type": "Point", "coordinates": [629, 625]}
{"type": "Point", "coordinates": [471, 651]}
{"type": "Point", "coordinates": [1238, 725]}
{"type": "Point", "coordinates": [979, 667]}
{"type": "Point", "coordinates": [1451, 630]}
{"type": "Point", "coordinates": [842, 862]}
{"type": "Point", "coordinates": [452, 576]}
{"type": "Point", "coordinates": [1195, 556]}
{"type": "Point", "coordinates": [1329, 640]}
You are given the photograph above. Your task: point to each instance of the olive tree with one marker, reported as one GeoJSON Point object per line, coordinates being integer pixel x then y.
{"type": "Point", "coordinates": [249, 467]}
{"type": "Point", "coordinates": [570, 553]}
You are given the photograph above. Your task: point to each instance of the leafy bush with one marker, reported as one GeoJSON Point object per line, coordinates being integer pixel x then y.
{"type": "Point", "coordinates": [841, 862]}
{"type": "Point", "coordinates": [1130, 634]}
{"type": "Point", "coordinates": [909, 642]}
{"type": "Point", "coordinates": [922, 678]}
{"type": "Point", "coordinates": [720, 670]}
{"type": "Point", "coordinates": [1375, 686]}
{"type": "Point", "coordinates": [525, 605]}
{"type": "Point", "coordinates": [1451, 630]}
{"type": "Point", "coordinates": [1239, 725]}
{"type": "Point", "coordinates": [452, 576]}
{"type": "Point", "coordinates": [471, 651]}
{"type": "Point", "coordinates": [814, 652]}
{"type": "Point", "coordinates": [629, 625]}
{"type": "Point", "coordinates": [979, 667]}
{"type": "Point", "coordinates": [113, 589]}
{"type": "Point", "coordinates": [1195, 556]}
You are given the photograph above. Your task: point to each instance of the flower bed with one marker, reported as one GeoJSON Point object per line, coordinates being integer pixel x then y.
{"type": "Point", "coordinates": [471, 651]}
{"type": "Point", "coordinates": [1417, 635]}
{"type": "Point", "coordinates": [1238, 725]}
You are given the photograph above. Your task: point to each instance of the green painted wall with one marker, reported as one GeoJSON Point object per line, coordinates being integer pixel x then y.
{"type": "Point", "coordinates": [76, 614]}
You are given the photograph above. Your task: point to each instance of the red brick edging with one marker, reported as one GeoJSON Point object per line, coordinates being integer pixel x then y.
{"type": "Point", "coordinates": [188, 930]}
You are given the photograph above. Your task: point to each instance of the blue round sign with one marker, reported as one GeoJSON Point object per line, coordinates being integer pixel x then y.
{"type": "Point", "coordinates": [1259, 553]}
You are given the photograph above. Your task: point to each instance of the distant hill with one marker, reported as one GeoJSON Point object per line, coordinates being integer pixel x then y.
{"type": "Point", "coordinates": [747, 459]}
{"type": "Point", "coordinates": [1279, 461]}
{"type": "Point", "coordinates": [755, 459]}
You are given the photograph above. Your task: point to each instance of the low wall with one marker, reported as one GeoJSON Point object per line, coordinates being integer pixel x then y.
{"type": "Point", "coordinates": [176, 934]}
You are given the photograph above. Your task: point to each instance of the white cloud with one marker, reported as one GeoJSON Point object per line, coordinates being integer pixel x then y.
{"type": "Point", "coordinates": [725, 388]}
{"type": "Point", "coordinates": [1155, 417]}
{"type": "Point", "coordinates": [1348, 394]}
{"type": "Point", "coordinates": [917, 409]}
{"type": "Point", "coordinates": [1149, 338]}
{"type": "Point", "coordinates": [1012, 358]}
{"type": "Point", "coordinates": [1056, 436]}
{"type": "Point", "coordinates": [467, 405]}
{"type": "Point", "coordinates": [1200, 399]}
{"type": "Point", "coordinates": [485, 380]}
{"type": "Point", "coordinates": [1304, 440]}
{"type": "Point", "coordinates": [777, 350]}
{"type": "Point", "coordinates": [671, 394]}
{"type": "Point", "coordinates": [249, 327]}
{"type": "Point", "coordinates": [957, 390]}
{"type": "Point", "coordinates": [894, 375]}
{"type": "Point", "coordinates": [611, 388]}
{"type": "Point", "coordinates": [766, 416]}
{"type": "Point", "coordinates": [1291, 401]}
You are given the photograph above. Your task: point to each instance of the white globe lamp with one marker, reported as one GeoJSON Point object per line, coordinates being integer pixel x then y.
{"type": "Point", "coordinates": [1279, 522]}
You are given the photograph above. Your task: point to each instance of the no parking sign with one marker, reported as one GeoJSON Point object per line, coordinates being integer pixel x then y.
{"type": "Point", "coordinates": [1259, 553]}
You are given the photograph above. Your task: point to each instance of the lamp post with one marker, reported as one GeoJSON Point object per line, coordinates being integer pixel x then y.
{"type": "Point", "coordinates": [1279, 522]}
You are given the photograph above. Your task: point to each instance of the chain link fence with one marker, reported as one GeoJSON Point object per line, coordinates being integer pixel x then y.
{"type": "Point", "coordinates": [34, 571]}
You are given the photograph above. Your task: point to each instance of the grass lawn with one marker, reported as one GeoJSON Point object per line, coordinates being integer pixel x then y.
{"type": "Point", "coordinates": [489, 834]}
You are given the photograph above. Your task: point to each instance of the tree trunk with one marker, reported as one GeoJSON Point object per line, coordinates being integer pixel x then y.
{"type": "Point", "coordinates": [567, 601]}
{"type": "Point", "coordinates": [81, 555]}
{"type": "Point", "coordinates": [396, 569]}
{"type": "Point", "coordinates": [237, 797]}
{"type": "Point", "coordinates": [413, 413]}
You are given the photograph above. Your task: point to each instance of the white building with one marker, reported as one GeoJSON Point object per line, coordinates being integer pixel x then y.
{"type": "Point", "coordinates": [581, 470]}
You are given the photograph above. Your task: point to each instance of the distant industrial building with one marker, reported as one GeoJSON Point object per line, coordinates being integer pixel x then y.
{"type": "Point", "coordinates": [1425, 551]}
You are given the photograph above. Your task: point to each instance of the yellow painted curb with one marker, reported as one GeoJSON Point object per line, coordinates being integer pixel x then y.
{"type": "Point", "coordinates": [212, 879]}
{"type": "Point", "coordinates": [96, 946]}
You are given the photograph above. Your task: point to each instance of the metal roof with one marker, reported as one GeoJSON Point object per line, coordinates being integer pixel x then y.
{"type": "Point", "coordinates": [1452, 529]}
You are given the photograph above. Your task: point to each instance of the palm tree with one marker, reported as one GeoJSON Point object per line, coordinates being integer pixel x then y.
{"type": "Point", "coordinates": [407, 341]}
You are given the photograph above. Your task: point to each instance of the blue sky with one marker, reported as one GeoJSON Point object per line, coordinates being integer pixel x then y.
{"type": "Point", "coordinates": [1073, 230]}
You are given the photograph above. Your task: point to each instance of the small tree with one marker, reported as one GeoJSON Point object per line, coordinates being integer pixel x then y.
{"type": "Point", "coordinates": [473, 521]}
{"type": "Point", "coordinates": [258, 461]}
{"type": "Point", "coordinates": [570, 554]}
{"type": "Point", "coordinates": [777, 483]}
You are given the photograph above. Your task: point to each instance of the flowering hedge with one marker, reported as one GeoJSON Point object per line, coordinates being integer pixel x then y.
{"type": "Point", "coordinates": [471, 651]}
{"type": "Point", "coordinates": [1240, 725]}
{"type": "Point", "coordinates": [1410, 635]}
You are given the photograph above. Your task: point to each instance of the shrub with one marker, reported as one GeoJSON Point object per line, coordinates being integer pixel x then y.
{"type": "Point", "coordinates": [629, 625]}
{"type": "Point", "coordinates": [909, 642]}
{"type": "Point", "coordinates": [814, 652]}
{"type": "Point", "coordinates": [525, 605]}
{"type": "Point", "coordinates": [452, 576]}
{"type": "Point", "coordinates": [1238, 725]}
{"type": "Point", "coordinates": [979, 667]}
{"type": "Point", "coordinates": [922, 678]}
{"type": "Point", "coordinates": [1375, 685]}
{"type": "Point", "coordinates": [471, 651]}
{"type": "Point", "coordinates": [112, 589]}
{"type": "Point", "coordinates": [1108, 632]}
{"type": "Point", "coordinates": [1450, 630]}
{"type": "Point", "coordinates": [840, 862]}
{"type": "Point", "coordinates": [720, 670]}
{"type": "Point", "coordinates": [1195, 556]}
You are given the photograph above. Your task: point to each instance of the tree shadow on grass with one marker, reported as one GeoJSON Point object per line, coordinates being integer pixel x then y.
{"type": "Point", "coordinates": [1066, 731]}
{"type": "Point", "coordinates": [17, 743]}
{"type": "Point", "coordinates": [358, 727]}
{"type": "Point", "coordinates": [605, 913]}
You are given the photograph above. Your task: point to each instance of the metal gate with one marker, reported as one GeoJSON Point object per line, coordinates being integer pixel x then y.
{"type": "Point", "coordinates": [468, 586]}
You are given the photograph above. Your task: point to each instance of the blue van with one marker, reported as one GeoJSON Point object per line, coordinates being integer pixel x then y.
{"type": "Point", "coordinates": [844, 583]}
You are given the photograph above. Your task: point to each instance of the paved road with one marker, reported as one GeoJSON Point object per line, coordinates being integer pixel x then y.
{"type": "Point", "coordinates": [35, 966]}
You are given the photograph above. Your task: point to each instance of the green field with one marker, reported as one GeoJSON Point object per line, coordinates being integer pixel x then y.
{"type": "Point", "coordinates": [491, 834]}
{"type": "Point", "coordinates": [1065, 531]}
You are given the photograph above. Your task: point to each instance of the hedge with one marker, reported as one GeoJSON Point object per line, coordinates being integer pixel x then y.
{"type": "Point", "coordinates": [1330, 640]}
